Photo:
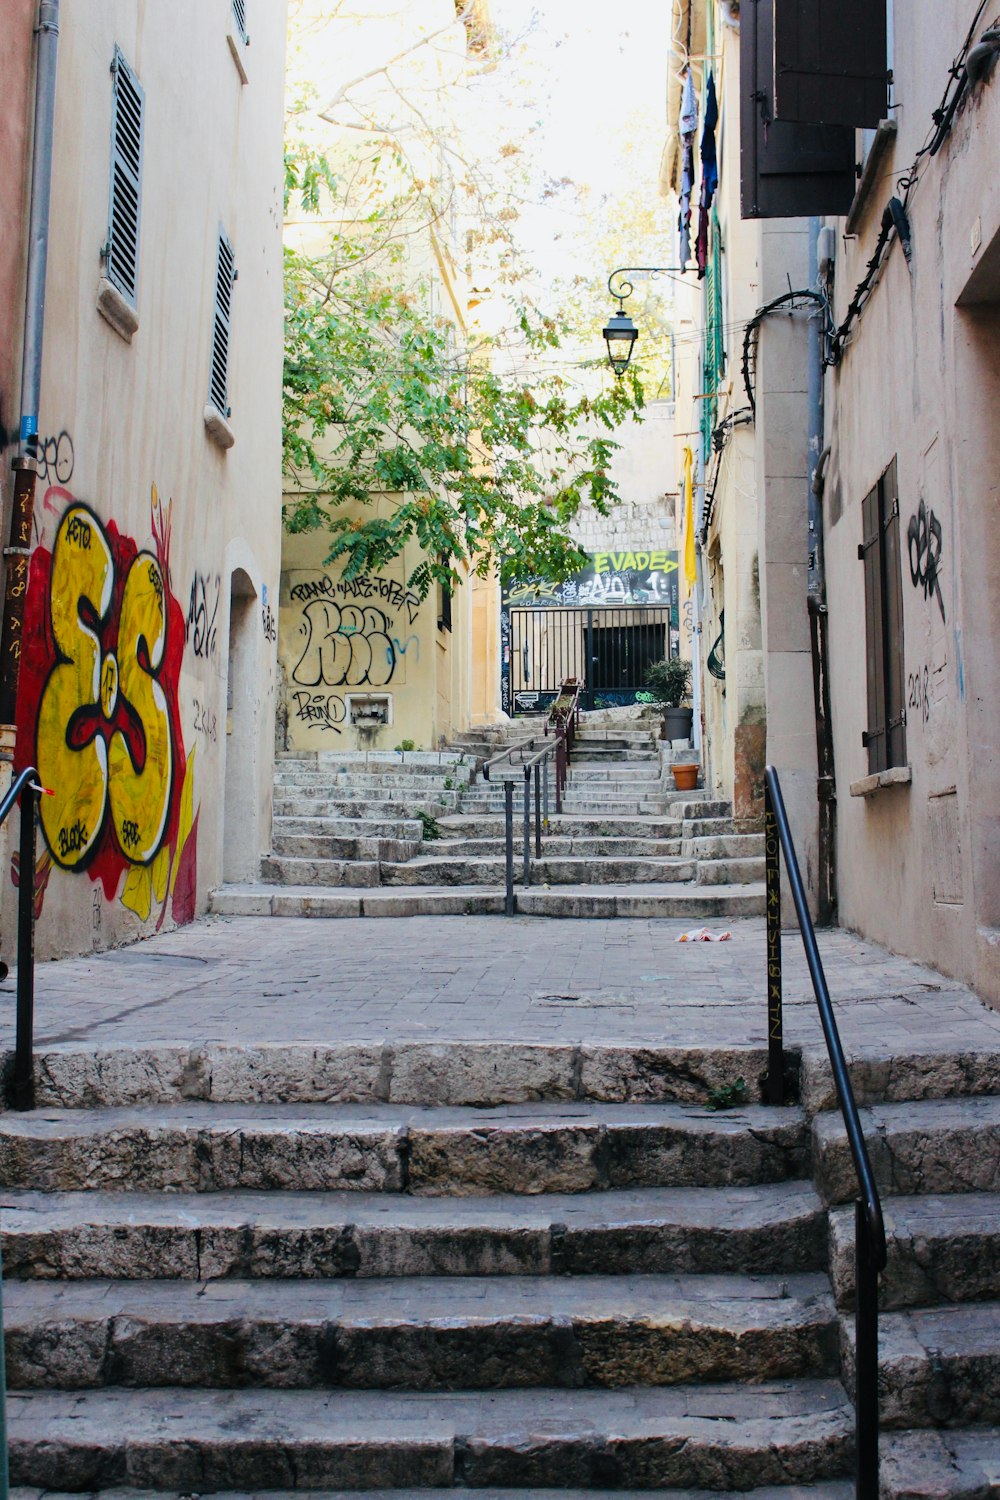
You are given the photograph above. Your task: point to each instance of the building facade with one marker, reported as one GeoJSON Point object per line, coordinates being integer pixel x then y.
{"type": "Point", "coordinates": [146, 684]}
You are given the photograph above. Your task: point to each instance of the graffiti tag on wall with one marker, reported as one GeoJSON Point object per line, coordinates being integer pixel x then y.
{"type": "Point", "coordinates": [642, 576]}
{"type": "Point", "coordinates": [924, 540]}
{"type": "Point", "coordinates": [98, 711]}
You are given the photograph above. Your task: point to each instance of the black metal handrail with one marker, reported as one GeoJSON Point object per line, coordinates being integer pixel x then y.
{"type": "Point", "coordinates": [22, 1092]}
{"type": "Point", "coordinates": [869, 1226]}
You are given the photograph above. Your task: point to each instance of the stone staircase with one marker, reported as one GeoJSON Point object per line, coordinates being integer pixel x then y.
{"type": "Point", "coordinates": [424, 833]}
{"type": "Point", "coordinates": [502, 1268]}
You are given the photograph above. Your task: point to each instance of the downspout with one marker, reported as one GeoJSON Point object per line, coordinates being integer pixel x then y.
{"type": "Point", "coordinates": [826, 790]}
{"type": "Point", "coordinates": [25, 465]}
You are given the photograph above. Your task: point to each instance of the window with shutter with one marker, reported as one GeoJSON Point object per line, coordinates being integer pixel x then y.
{"type": "Point", "coordinates": [885, 737]}
{"type": "Point", "coordinates": [225, 276]}
{"type": "Point", "coordinates": [121, 252]}
{"type": "Point", "coordinates": [830, 61]}
{"type": "Point", "coordinates": [787, 170]}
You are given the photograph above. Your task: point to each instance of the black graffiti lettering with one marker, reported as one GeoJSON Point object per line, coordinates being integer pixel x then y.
{"type": "Point", "coordinates": [323, 711]}
{"type": "Point", "coordinates": [269, 623]}
{"type": "Point", "coordinates": [924, 540]}
{"type": "Point", "coordinates": [78, 531]}
{"type": "Point", "coordinates": [917, 695]}
{"type": "Point", "coordinates": [205, 721]}
{"type": "Point", "coordinates": [72, 839]}
{"type": "Point", "coordinates": [130, 834]}
{"type": "Point", "coordinates": [345, 645]}
{"type": "Point", "coordinates": [203, 607]}
{"type": "Point", "coordinates": [56, 459]}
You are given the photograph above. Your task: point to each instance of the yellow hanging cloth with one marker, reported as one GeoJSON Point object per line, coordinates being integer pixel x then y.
{"type": "Point", "coordinates": [690, 565]}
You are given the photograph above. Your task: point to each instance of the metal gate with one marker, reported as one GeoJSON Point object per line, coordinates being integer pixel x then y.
{"type": "Point", "coordinates": [607, 649]}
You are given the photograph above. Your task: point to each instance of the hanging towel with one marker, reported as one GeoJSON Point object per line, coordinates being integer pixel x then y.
{"type": "Point", "coordinates": [690, 563]}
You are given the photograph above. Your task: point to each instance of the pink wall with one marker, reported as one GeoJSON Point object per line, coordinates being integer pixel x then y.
{"type": "Point", "coordinates": [17, 18]}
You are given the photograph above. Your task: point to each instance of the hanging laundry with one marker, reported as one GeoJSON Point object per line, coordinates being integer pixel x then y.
{"type": "Point", "coordinates": [709, 174]}
{"type": "Point", "coordinates": [687, 125]}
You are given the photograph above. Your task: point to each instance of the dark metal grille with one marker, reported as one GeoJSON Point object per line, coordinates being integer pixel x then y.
{"type": "Point", "coordinates": [126, 176]}
{"type": "Point", "coordinates": [607, 649]}
{"type": "Point", "coordinates": [240, 12]}
{"type": "Point", "coordinates": [224, 278]}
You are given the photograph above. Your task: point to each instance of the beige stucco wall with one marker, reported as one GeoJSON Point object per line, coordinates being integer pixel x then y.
{"type": "Point", "coordinates": [367, 646]}
{"type": "Point", "coordinates": [919, 864]}
{"type": "Point", "coordinates": [138, 841]}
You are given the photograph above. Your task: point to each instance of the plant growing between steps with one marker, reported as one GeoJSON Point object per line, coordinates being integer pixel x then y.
{"type": "Point", "coordinates": [728, 1095]}
{"type": "Point", "coordinates": [432, 828]}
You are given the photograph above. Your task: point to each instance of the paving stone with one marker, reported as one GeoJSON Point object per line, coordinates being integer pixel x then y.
{"type": "Point", "coordinates": [829, 1490]}
{"type": "Point", "coordinates": [772, 1433]}
{"type": "Point", "coordinates": [908, 1074]}
{"type": "Point", "coordinates": [202, 1236]}
{"type": "Point", "coordinates": [946, 1465]}
{"type": "Point", "coordinates": [419, 1334]}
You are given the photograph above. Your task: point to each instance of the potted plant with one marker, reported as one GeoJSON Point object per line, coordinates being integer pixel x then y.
{"type": "Point", "coordinates": [669, 681]}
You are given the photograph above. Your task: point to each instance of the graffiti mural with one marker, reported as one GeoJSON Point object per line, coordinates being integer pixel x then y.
{"type": "Point", "coordinates": [639, 576]}
{"type": "Point", "coordinates": [924, 538]}
{"type": "Point", "coordinates": [344, 645]}
{"type": "Point", "coordinates": [98, 711]}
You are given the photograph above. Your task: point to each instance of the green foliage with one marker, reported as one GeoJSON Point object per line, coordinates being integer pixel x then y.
{"type": "Point", "coordinates": [406, 745]}
{"type": "Point", "coordinates": [393, 435]}
{"type": "Point", "coordinates": [669, 680]}
{"type": "Point", "coordinates": [728, 1095]}
{"type": "Point", "coordinates": [432, 828]}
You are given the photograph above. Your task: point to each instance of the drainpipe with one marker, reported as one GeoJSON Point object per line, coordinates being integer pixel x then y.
{"type": "Point", "coordinates": [826, 790]}
{"type": "Point", "coordinates": [25, 466]}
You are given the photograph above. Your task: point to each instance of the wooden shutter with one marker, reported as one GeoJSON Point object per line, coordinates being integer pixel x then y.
{"type": "Point", "coordinates": [830, 61]}
{"type": "Point", "coordinates": [870, 552]}
{"type": "Point", "coordinates": [895, 674]}
{"type": "Point", "coordinates": [122, 250]}
{"type": "Point", "coordinates": [225, 276]}
{"type": "Point", "coordinates": [787, 170]}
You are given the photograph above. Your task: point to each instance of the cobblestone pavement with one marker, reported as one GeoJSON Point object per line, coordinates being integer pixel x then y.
{"type": "Point", "coordinates": [249, 980]}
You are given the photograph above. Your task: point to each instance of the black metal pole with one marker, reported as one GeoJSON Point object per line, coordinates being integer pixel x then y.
{"type": "Point", "coordinates": [538, 809]}
{"type": "Point", "coordinates": [772, 875]}
{"type": "Point", "coordinates": [865, 1357]}
{"type": "Point", "coordinates": [24, 1064]}
{"type": "Point", "coordinates": [508, 813]}
{"type": "Point", "coordinates": [526, 851]}
{"type": "Point", "coordinates": [560, 759]}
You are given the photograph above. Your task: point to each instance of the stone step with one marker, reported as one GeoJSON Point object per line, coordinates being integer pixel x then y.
{"type": "Point", "coordinates": [729, 871]}
{"type": "Point", "coordinates": [567, 825]}
{"type": "Point", "coordinates": [720, 827]}
{"type": "Point", "coordinates": [348, 807]}
{"type": "Point", "coordinates": [202, 1237]}
{"type": "Point", "coordinates": [328, 848]}
{"type": "Point", "coordinates": [554, 846]}
{"type": "Point", "coordinates": [350, 828]}
{"type": "Point", "coordinates": [725, 846]}
{"type": "Point", "coordinates": [74, 1075]}
{"type": "Point", "coordinates": [833, 1489]}
{"type": "Point", "coordinates": [942, 1249]}
{"type": "Point", "coordinates": [422, 1334]}
{"type": "Point", "coordinates": [623, 771]}
{"type": "Point", "coordinates": [907, 1075]}
{"type": "Point", "coordinates": [931, 1146]}
{"type": "Point", "coordinates": [528, 1148]}
{"type": "Point", "coordinates": [947, 1465]}
{"type": "Point", "coordinates": [338, 873]}
{"type": "Point", "coordinates": [362, 784]}
{"type": "Point", "coordinates": [414, 759]}
{"type": "Point", "coordinates": [718, 1436]}
{"type": "Point", "coordinates": [687, 902]}
{"type": "Point", "coordinates": [440, 869]}
{"type": "Point", "coordinates": [938, 1366]}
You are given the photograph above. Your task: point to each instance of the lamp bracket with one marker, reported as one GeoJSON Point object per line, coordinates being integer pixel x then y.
{"type": "Point", "coordinates": [621, 287]}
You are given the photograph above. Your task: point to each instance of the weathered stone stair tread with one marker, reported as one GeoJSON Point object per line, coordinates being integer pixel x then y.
{"type": "Point", "coordinates": [436, 1333]}
{"type": "Point", "coordinates": [348, 873]}
{"type": "Point", "coordinates": [653, 900]}
{"type": "Point", "coordinates": [916, 1071]}
{"type": "Point", "coordinates": [202, 1236]}
{"type": "Point", "coordinates": [559, 846]}
{"type": "Point", "coordinates": [717, 1436]}
{"type": "Point", "coordinates": [942, 1249]}
{"type": "Point", "coordinates": [566, 870]}
{"type": "Point", "coordinates": [943, 1465]}
{"type": "Point", "coordinates": [677, 899]}
{"type": "Point", "coordinates": [546, 1146]}
{"type": "Point", "coordinates": [938, 1366]}
{"type": "Point", "coordinates": [930, 1146]}
{"type": "Point", "coordinates": [570, 825]}
{"type": "Point", "coordinates": [833, 1489]}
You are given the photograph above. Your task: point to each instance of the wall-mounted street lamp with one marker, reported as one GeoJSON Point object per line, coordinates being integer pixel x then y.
{"type": "Point", "coordinates": [621, 333]}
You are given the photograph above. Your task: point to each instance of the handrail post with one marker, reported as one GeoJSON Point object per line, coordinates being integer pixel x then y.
{"type": "Point", "coordinates": [865, 1357]}
{"type": "Point", "coordinates": [24, 1044]}
{"type": "Point", "coordinates": [772, 877]}
{"type": "Point", "coordinates": [545, 790]}
{"type": "Point", "coordinates": [508, 813]}
{"type": "Point", "coordinates": [526, 852]}
{"type": "Point", "coordinates": [560, 757]}
{"type": "Point", "coordinates": [538, 810]}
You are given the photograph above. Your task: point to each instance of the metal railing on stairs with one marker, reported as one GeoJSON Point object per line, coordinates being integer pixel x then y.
{"type": "Point", "coordinates": [534, 757]}
{"type": "Point", "coordinates": [869, 1227]}
{"type": "Point", "coordinates": [21, 1088]}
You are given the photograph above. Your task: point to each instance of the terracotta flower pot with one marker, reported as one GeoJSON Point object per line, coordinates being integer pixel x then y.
{"type": "Point", "coordinates": [685, 777]}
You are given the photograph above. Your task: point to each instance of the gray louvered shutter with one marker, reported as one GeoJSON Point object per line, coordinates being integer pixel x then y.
{"type": "Point", "coordinates": [122, 249]}
{"type": "Point", "coordinates": [830, 61]}
{"type": "Point", "coordinates": [895, 674]}
{"type": "Point", "coordinates": [240, 14]}
{"type": "Point", "coordinates": [787, 170]}
{"type": "Point", "coordinates": [225, 276]}
{"type": "Point", "coordinates": [870, 553]}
